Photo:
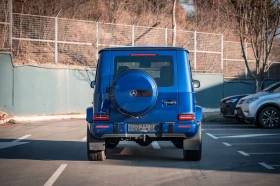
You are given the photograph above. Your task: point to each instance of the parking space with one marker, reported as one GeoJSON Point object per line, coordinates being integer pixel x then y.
{"type": "Point", "coordinates": [42, 154]}
{"type": "Point", "coordinates": [261, 145]}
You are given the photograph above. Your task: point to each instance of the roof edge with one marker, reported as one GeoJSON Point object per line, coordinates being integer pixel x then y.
{"type": "Point", "coordinates": [146, 48]}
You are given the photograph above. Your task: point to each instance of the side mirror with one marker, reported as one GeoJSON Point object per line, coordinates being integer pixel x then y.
{"type": "Point", "coordinates": [196, 83]}
{"type": "Point", "coordinates": [92, 84]}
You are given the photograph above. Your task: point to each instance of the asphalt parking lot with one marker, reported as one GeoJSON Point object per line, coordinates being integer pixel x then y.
{"type": "Point", "coordinates": [54, 153]}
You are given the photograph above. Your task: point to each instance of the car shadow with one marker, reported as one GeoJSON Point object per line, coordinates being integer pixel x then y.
{"type": "Point", "coordinates": [48, 150]}
{"type": "Point", "coordinates": [45, 150]}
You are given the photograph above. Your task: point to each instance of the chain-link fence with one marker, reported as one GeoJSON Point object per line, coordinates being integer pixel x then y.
{"type": "Point", "coordinates": [53, 40]}
{"type": "Point", "coordinates": [5, 28]}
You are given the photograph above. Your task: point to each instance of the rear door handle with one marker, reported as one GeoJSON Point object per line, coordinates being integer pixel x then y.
{"type": "Point", "coordinates": [170, 102]}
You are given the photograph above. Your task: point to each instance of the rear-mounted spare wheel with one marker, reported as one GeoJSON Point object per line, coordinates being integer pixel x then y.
{"type": "Point", "coordinates": [133, 93]}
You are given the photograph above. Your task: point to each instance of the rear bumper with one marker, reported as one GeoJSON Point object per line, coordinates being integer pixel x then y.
{"type": "Point", "coordinates": [120, 130]}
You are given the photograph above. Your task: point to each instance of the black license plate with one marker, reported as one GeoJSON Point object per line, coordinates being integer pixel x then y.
{"type": "Point", "coordinates": [143, 127]}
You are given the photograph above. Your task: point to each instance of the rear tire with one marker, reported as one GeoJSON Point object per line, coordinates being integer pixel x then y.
{"type": "Point", "coordinates": [193, 155]}
{"type": "Point", "coordinates": [94, 155]}
{"type": "Point", "coordinates": [269, 118]}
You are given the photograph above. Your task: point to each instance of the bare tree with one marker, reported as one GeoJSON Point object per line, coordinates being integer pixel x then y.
{"type": "Point", "coordinates": [174, 23]}
{"type": "Point", "coordinates": [209, 16]}
{"type": "Point", "coordinates": [258, 23]}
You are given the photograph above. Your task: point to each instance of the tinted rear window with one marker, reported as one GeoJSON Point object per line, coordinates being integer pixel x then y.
{"type": "Point", "coordinates": [161, 68]}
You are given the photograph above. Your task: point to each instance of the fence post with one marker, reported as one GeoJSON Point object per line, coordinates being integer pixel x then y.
{"type": "Point", "coordinates": [132, 35]}
{"type": "Point", "coordinates": [11, 25]}
{"type": "Point", "coordinates": [55, 42]}
{"type": "Point", "coordinates": [246, 71]}
{"type": "Point", "coordinates": [222, 53]}
{"type": "Point", "coordinates": [96, 42]}
{"type": "Point", "coordinates": [97, 37]}
{"type": "Point", "coordinates": [56, 38]}
{"type": "Point", "coordinates": [165, 34]}
{"type": "Point", "coordinates": [133, 31]}
{"type": "Point", "coordinates": [194, 55]}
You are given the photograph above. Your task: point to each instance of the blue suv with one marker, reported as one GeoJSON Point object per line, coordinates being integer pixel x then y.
{"type": "Point", "coordinates": [144, 94]}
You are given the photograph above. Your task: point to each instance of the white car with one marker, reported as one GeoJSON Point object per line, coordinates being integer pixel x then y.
{"type": "Point", "coordinates": [262, 108]}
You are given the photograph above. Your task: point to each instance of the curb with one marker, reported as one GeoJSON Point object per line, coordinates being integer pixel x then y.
{"type": "Point", "coordinates": [40, 118]}
{"type": "Point", "coordinates": [219, 119]}
{"type": "Point", "coordinates": [207, 117]}
{"type": "Point", "coordinates": [216, 117]}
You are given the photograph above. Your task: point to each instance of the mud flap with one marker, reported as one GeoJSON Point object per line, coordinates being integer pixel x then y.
{"type": "Point", "coordinates": [95, 144]}
{"type": "Point", "coordinates": [194, 142]}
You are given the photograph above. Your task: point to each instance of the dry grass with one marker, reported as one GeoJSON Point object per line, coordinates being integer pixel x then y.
{"type": "Point", "coordinates": [3, 115]}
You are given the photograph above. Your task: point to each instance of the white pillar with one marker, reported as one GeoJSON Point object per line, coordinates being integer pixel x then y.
{"type": "Point", "coordinates": [165, 37]}
{"type": "Point", "coordinates": [96, 42]}
{"type": "Point", "coordinates": [56, 38]}
{"type": "Point", "coordinates": [222, 53]}
{"type": "Point", "coordinates": [194, 55]}
{"type": "Point", "coordinates": [132, 37]}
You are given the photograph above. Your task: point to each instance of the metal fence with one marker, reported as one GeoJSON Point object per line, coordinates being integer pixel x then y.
{"type": "Point", "coordinates": [37, 39]}
{"type": "Point", "coordinates": [5, 26]}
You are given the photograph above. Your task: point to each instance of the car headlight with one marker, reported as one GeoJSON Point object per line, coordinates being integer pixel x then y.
{"type": "Point", "coordinates": [231, 101]}
{"type": "Point", "coordinates": [251, 100]}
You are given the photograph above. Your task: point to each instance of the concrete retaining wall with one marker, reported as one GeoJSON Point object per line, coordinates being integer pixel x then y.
{"type": "Point", "coordinates": [30, 90]}
{"type": "Point", "coordinates": [210, 92]}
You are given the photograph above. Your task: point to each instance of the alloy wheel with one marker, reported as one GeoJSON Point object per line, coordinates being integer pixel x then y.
{"type": "Point", "coordinates": [270, 117]}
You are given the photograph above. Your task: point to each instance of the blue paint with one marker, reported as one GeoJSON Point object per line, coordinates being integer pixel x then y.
{"type": "Point", "coordinates": [115, 86]}
{"type": "Point", "coordinates": [198, 113]}
{"type": "Point", "coordinates": [89, 115]}
{"type": "Point", "coordinates": [125, 86]}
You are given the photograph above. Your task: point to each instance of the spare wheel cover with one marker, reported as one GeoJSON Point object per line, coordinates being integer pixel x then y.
{"type": "Point", "coordinates": [133, 93]}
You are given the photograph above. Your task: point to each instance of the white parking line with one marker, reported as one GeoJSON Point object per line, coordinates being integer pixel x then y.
{"type": "Point", "coordinates": [226, 144]}
{"type": "Point", "coordinates": [266, 166]}
{"type": "Point", "coordinates": [14, 143]}
{"type": "Point", "coordinates": [84, 139]}
{"type": "Point", "coordinates": [255, 143]}
{"type": "Point", "coordinates": [228, 128]}
{"type": "Point", "coordinates": [155, 145]}
{"type": "Point", "coordinates": [55, 175]}
{"type": "Point", "coordinates": [257, 153]}
{"type": "Point", "coordinates": [265, 153]}
{"type": "Point", "coordinates": [243, 153]}
{"type": "Point", "coordinates": [249, 135]}
{"type": "Point", "coordinates": [212, 136]}
{"type": "Point", "coordinates": [21, 138]}
{"type": "Point", "coordinates": [229, 125]}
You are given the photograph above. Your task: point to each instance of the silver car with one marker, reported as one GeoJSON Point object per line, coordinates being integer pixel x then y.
{"type": "Point", "coordinates": [262, 108]}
